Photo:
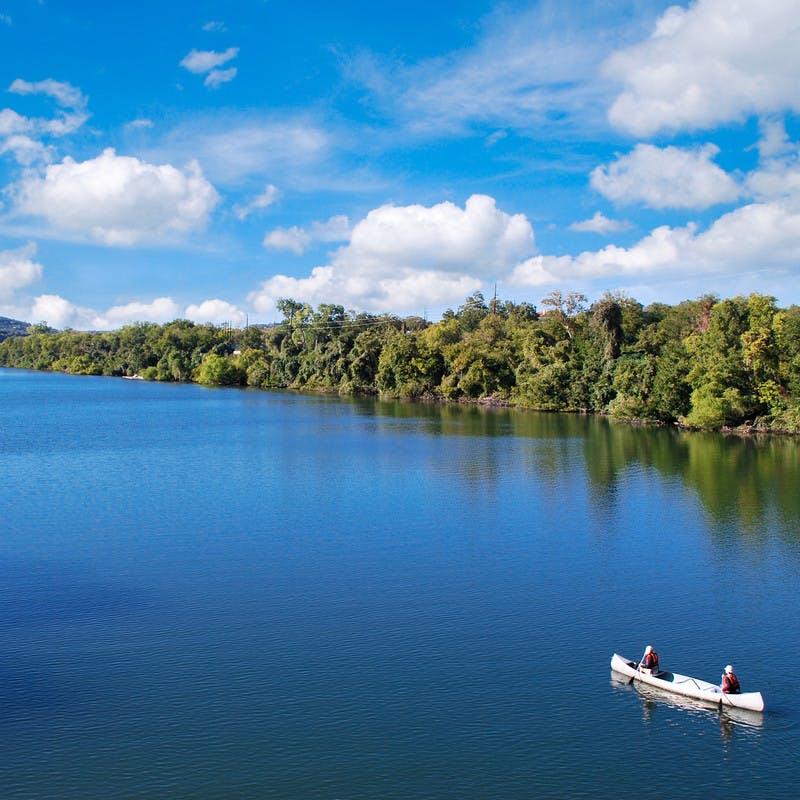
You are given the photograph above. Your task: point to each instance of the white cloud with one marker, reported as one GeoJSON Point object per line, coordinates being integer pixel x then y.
{"type": "Point", "coordinates": [777, 179]}
{"type": "Point", "coordinates": [66, 95]}
{"type": "Point", "coordinates": [755, 236]}
{"type": "Point", "coordinates": [774, 139]}
{"type": "Point", "coordinates": [659, 249]}
{"type": "Point", "coordinates": [407, 291]}
{"type": "Point", "coordinates": [442, 237]}
{"type": "Point", "coordinates": [119, 200]}
{"type": "Point", "coordinates": [58, 312]}
{"type": "Point", "coordinates": [235, 148]}
{"type": "Point", "coordinates": [670, 177]}
{"type": "Point", "coordinates": [529, 70]}
{"type": "Point", "coordinates": [160, 310]}
{"type": "Point", "coordinates": [11, 122]}
{"type": "Point", "coordinates": [294, 239]}
{"type": "Point", "coordinates": [215, 312]}
{"type": "Point", "coordinates": [408, 258]}
{"type": "Point", "coordinates": [268, 197]}
{"type": "Point", "coordinates": [217, 77]}
{"type": "Point", "coordinates": [139, 123]}
{"type": "Point", "coordinates": [713, 62]}
{"type": "Point", "coordinates": [298, 240]}
{"type": "Point", "coordinates": [71, 100]}
{"type": "Point", "coordinates": [214, 26]}
{"type": "Point", "coordinates": [61, 313]}
{"type": "Point", "coordinates": [18, 270]}
{"type": "Point", "coordinates": [17, 133]}
{"type": "Point", "coordinates": [601, 224]}
{"type": "Point", "coordinates": [200, 61]}
{"type": "Point", "coordinates": [25, 150]}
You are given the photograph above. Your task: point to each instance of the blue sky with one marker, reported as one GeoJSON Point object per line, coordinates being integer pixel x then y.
{"type": "Point", "coordinates": [201, 160]}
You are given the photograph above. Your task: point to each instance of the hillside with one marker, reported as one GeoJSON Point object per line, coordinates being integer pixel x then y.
{"type": "Point", "coordinates": [12, 327]}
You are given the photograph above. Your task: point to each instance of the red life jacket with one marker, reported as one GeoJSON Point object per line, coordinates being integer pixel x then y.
{"type": "Point", "coordinates": [730, 683]}
{"type": "Point", "coordinates": [651, 660]}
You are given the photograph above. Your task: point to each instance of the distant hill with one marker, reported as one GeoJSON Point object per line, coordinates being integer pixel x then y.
{"type": "Point", "coordinates": [12, 327]}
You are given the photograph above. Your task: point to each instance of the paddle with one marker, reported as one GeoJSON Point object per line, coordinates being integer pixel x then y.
{"type": "Point", "coordinates": [636, 667]}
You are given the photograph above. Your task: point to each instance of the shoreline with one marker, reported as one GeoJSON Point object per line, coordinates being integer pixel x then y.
{"type": "Point", "coordinates": [748, 430]}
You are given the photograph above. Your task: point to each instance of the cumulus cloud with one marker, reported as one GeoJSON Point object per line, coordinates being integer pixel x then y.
{"type": "Point", "coordinates": [713, 62]}
{"type": "Point", "coordinates": [442, 237]}
{"type": "Point", "coordinates": [160, 310]}
{"type": "Point", "coordinates": [601, 224]}
{"type": "Point", "coordinates": [777, 179]}
{"type": "Point", "coordinates": [298, 240]}
{"type": "Point", "coordinates": [61, 313]}
{"type": "Point", "coordinates": [18, 270]}
{"type": "Point", "coordinates": [216, 312]}
{"type": "Point", "coordinates": [268, 197]}
{"type": "Point", "coordinates": [755, 235]}
{"type": "Point", "coordinates": [406, 258]}
{"type": "Point", "coordinates": [408, 290]}
{"type": "Point", "coordinates": [659, 249]}
{"type": "Point", "coordinates": [774, 139]}
{"type": "Point", "coordinates": [669, 177]}
{"type": "Point", "coordinates": [118, 200]}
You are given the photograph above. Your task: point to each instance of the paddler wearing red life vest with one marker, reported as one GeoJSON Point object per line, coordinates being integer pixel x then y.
{"type": "Point", "coordinates": [730, 683]}
{"type": "Point", "coordinates": [649, 660]}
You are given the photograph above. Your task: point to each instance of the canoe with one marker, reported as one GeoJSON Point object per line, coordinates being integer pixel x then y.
{"type": "Point", "coordinates": [649, 694]}
{"type": "Point", "coordinates": [688, 687]}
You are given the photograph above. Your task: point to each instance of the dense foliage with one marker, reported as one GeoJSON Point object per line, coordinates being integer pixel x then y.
{"type": "Point", "coordinates": [706, 363]}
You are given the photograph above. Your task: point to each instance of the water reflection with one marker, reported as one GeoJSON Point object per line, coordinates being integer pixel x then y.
{"type": "Point", "coordinates": [742, 482]}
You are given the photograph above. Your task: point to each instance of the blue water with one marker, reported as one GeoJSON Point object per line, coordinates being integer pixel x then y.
{"type": "Point", "coordinates": [238, 594]}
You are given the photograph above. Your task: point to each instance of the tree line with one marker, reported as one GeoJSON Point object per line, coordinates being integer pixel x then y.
{"type": "Point", "coordinates": [705, 363]}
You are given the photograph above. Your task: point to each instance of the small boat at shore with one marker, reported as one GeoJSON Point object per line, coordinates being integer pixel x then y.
{"type": "Point", "coordinates": [687, 686]}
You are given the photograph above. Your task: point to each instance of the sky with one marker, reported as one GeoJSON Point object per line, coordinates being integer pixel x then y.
{"type": "Point", "coordinates": [202, 160]}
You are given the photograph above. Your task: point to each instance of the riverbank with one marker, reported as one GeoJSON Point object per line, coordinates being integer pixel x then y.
{"type": "Point", "coordinates": [704, 365]}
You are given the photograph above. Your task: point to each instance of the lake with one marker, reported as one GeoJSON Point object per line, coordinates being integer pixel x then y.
{"type": "Point", "coordinates": [220, 593]}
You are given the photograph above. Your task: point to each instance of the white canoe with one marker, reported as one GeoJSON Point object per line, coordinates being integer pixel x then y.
{"type": "Point", "coordinates": [689, 687]}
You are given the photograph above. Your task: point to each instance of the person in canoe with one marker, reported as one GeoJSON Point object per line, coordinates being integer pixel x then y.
{"type": "Point", "coordinates": [730, 683]}
{"type": "Point", "coordinates": [649, 662]}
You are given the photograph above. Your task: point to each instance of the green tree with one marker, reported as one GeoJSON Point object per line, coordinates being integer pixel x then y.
{"type": "Point", "coordinates": [399, 374]}
{"type": "Point", "coordinates": [473, 310]}
{"type": "Point", "coordinates": [721, 390]}
{"type": "Point", "coordinates": [219, 370]}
